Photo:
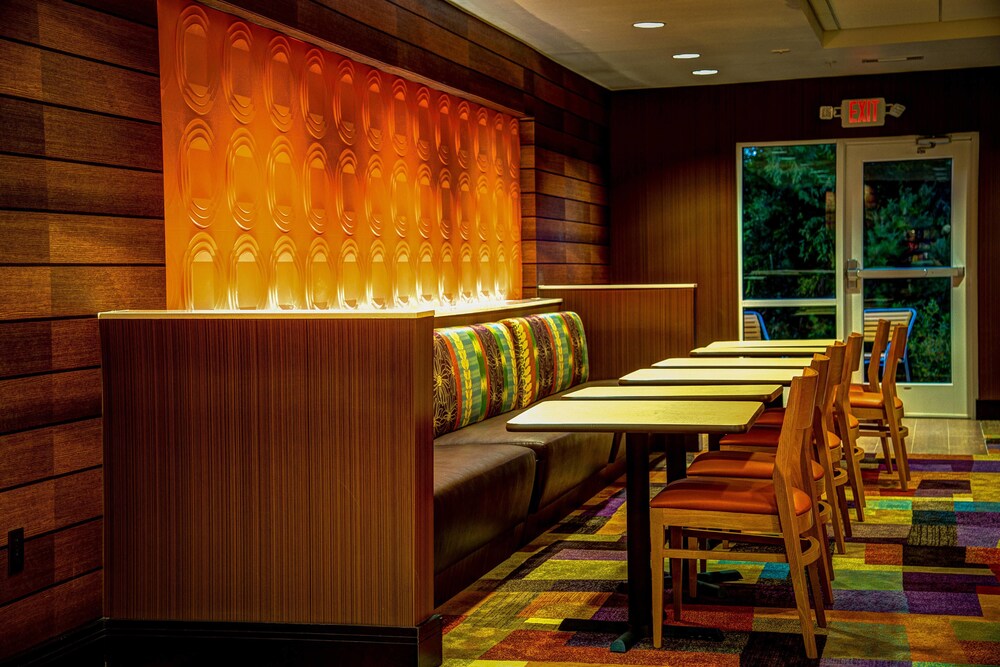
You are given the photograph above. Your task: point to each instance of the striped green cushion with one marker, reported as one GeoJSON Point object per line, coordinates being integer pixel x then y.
{"type": "Point", "coordinates": [551, 354]}
{"type": "Point", "coordinates": [474, 375]}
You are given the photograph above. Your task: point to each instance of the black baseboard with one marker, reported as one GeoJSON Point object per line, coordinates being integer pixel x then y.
{"type": "Point", "coordinates": [987, 409]}
{"type": "Point", "coordinates": [115, 643]}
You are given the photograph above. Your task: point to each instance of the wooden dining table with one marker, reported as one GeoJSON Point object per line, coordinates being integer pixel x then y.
{"type": "Point", "coordinates": [751, 351]}
{"type": "Point", "coordinates": [775, 342]}
{"type": "Point", "coordinates": [762, 393]}
{"type": "Point", "coordinates": [711, 376]}
{"type": "Point", "coordinates": [734, 362]}
{"type": "Point", "coordinates": [638, 419]}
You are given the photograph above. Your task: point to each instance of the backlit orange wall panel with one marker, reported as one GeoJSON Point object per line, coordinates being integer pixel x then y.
{"type": "Point", "coordinates": [297, 178]}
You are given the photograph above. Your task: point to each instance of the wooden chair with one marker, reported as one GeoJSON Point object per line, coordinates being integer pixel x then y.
{"type": "Point", "coordinates": [753, 326]}
{"type": "Point", "coordinates": [879, 339]}
{"type": "Point", "coordinates": [847, 425]}
{"type": "Point", "coordinates": [774, 512]}
{"type": "Point", "coordinates": [881, 413]}
{"type": "Point", "coordinates": [895, 316]}
{"type": "Point", "coordinates": [828, 446]}
{"type": "Point", "coordinates": [759, 465]}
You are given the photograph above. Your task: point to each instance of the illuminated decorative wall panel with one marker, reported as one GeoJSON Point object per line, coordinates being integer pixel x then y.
{"type": "Point", "coordinates": [297, 178]}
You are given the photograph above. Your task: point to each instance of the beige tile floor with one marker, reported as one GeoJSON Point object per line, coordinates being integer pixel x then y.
{"type": "Point", "coordinates": [938, 436]}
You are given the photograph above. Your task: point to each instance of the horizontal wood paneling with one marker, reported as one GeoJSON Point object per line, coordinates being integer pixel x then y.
{"type": "Point", "coordinates": [50, 613]}
{"type": "Point", "coordinates": [629, 329]}
{"type": "Point", "coordinates": [47, 452]}
{"type": "Point", "coordinates": [565, 231]}
{"type": "Point", "coordinates": [57, 78]}
{"type": "Point", "coordinates": [272, 470]}
{"type": "Point", "coordinates": [61, 26]}
{"type": "Point", "coordinates": [51, 505]}
{"type": "Point", "coordinates": [554, 252]}
{"type": "Point", "coordinates": [34, 183]}
{"type": "Point", "coordinates": [53, 558]}
{"type": "Point", "coordinates": [37, 400]}
{"type": "Point", "coordinates": [37, 130]}
{"type": "Point", "coordinates": [42, 238]}
{"type": "Point", "coordinates": [563, 274]}
{"type": "Point", "coordinates": [48, 345]}
{"type": "Point", "coordinates": [67, 291]}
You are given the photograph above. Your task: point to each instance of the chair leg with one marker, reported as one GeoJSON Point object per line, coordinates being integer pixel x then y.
{"type": "Point", "coordinates": [886, 453]}
{"type": "Point", "coordinates": [677, 570]}
{"type": "Point", "coordinates": [656, 562]}
{"type": "Point", "coordinates": [835, 518]}
{"type": "Point", "coordinates": [692, 567]}
{"type": "Point", "coordinates": [900, 452]}
{"type": "Point", "coordinates": [854, 475]}
{"type": "Point", "coordinates": [902, 442]}
{"type": "Point", "coordinates": [799, 587]}
{"type": "Point", "coordinates": [818, 531]}
{"type": "Point", "coordinates": [817, 593]}
{"type": "Point", "coordinates": [844, 512]}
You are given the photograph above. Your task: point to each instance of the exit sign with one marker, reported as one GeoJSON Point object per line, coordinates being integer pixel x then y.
{"type": "Point", "coordinates": [862, 113]}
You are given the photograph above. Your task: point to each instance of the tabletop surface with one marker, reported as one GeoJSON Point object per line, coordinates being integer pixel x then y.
{"type": "Point", "coordinates": [775, 342]}
{"type": "Point", "coordinates": [734, 362]}
{"type": "Point", "coordinates": [723, 392]}
{"type": "Point", "coordinates": [743, 351]}
{"type": "Point", "coordinates": [638, 416]}
{"type": "Point", "coordinates": [668, 376]}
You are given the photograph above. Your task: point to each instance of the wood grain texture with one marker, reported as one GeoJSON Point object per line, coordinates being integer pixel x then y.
{"type": "Point", "coordinates": [38, 130]}
{"type": "Point", "coordinates": [47, 76]}
{"type": "Point", "coordinates": [46, 452]}
{"type": "Point", "coordinates": [64, 26]}
{"type": "Point", "coordinates": [38, 400]}
{"type": "Point", "coordinates": [36, 183]}
{"type": "Point", "coordinates": [495, 315]}
{"type": "Point", "coordinates": [69, 291]}
{"type": "Point", "coordinates": [50, 613]}
{"type": "Point", "coordinates": [51, 505]}
{"type": "Point", "coordinates": [43, 346]}
{"type": "Point", "coordinates": [274, 470]}
{"type": "Point", "coordinates": [43, 238]}
{"type": "Point", "coordinates": [53, 558]}
{"type": "Point", "coordinates": [631, 328]}
{"type": "Point", "coordinates": [673, 166]}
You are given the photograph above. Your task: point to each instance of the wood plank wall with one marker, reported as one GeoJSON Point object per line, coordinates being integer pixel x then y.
{"type": "Point", "coordinates": [630, 327]}
{"type": "Point", "coordinates": [674, 177]}
{"type": "Point", "coordinates": [275, 469]}
{"type": "Point", "coordinates": [81, 208]}
{"type": "Point", "coordinates": [81, 227]}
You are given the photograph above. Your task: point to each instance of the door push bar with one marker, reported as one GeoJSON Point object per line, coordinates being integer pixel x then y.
{"type": "Point", "coordinates": [855, 274]}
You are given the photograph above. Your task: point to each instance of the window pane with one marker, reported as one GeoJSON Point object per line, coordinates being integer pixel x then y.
{"type": "Point", "coordinates": [789, 221]}
{"type": "Point", "coordinates": [800, 322]}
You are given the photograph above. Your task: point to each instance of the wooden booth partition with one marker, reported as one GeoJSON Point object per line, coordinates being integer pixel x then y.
{"type": "Point", "coordinates": [269, 477]}
{"type": "Point", "coordinates": [630, 326]}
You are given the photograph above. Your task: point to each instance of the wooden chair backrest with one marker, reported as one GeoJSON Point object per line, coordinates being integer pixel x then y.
{"type": "Point", "coordinates": [897, 346]}
{"type": "Point", "coordinates": [872, 316]}
{"type": "Point", "coordinates": [834, 379]}
{"type": "Point", "coordinates": [753, 328]}
{"type": "Point", "coordinates": [852, 357]}
{"type": "Point", "coordinates": [881, 339]}
{"type": "Point", "coordinates": [792, 464]}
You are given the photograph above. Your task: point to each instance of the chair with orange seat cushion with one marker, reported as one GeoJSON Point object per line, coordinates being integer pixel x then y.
{"type": "Point", "coordinates": [881, 413]}
{"type": "Point", "coordinates": [828, 446]}
{"type": "Point", "coordinates": [775, 511]}
{"type": "Point", "coordinates": [880, 340]}
{"type": "Point", "coordinates": [759, 465]}
{"type": "Point", "coordinates": [847, 426]}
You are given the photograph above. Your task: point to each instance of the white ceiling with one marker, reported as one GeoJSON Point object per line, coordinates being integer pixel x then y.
{"type": "Point", "coordinates": [814, 38]}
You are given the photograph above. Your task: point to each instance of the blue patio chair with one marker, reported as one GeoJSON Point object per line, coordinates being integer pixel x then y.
{"type": "Point", "coordinates": [753, 326]}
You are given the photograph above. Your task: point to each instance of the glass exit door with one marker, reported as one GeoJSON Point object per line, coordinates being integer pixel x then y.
{"type": "Point", "coordinates": [909, 215]}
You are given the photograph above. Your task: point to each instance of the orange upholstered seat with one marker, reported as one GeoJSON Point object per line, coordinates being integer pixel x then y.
{"type": "Point", "coordinates": [750, 465]}
{"type": "Point", "coordinates": [757, 437]}
{"type": "Point", "coordinates": [772, 417]}
{"type": "Point", "coordinates": [852, 421]}
{"type": "Point", "coordinates": [869, 399]}
{"type": "Point", "coordinates": [740, 496]}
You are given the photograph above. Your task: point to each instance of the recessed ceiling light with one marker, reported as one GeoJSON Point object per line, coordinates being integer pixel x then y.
{"type": "Point", "coordinates": [686, 56]}
{"type": "Point", "coordinates": [705, 72]}
{"type": "Point", "coordinates": [648, 24]}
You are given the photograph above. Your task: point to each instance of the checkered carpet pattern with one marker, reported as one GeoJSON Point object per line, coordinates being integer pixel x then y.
{"type": "Point", "coordinates": [919, 585]}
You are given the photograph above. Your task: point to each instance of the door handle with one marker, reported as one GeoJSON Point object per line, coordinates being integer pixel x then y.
{"type": "Point", "coordinates": [855, 273]}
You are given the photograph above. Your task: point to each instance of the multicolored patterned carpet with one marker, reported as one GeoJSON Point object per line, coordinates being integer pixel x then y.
{"type": "Point", "coordinates": [919, 585]}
